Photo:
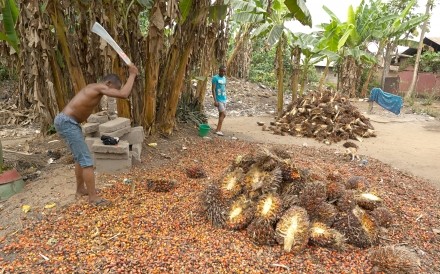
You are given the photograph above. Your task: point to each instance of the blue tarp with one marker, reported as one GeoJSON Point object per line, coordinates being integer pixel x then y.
{"type": "Point", "coordinates": [386, 100]}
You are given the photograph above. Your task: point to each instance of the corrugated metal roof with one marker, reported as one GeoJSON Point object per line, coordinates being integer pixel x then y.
{"type": "Point", "coordinates": [434, 39]}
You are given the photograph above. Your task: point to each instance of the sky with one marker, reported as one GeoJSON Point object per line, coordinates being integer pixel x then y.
{"type": "Point", "coordinates": [340, 8]}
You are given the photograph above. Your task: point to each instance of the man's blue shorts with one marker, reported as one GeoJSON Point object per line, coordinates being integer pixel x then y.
{"type": "Point", "coordinates": [70, 131]}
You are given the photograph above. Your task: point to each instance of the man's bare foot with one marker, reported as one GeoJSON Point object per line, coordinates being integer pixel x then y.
{"type": "Point", "coordinates": [82, 193]}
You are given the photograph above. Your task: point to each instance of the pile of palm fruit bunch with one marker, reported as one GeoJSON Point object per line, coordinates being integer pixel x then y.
{"type": "Point", "coordinates": [326, 116]}
{"type": "Point", "coordinates": [276, 202]}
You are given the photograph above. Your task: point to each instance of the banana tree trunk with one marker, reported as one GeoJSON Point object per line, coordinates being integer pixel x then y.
{"type": "Point", "coordinates": [36, 61]}
{"type": "Point", "coordinates": [173, 78]}
{"type": "Point", "coordinates": [155, 43]}
{"type": "Point", "coordinates": [348, 77]}
{"type": "Point", "coordinates": [61, 92]}
{"type": "Point", "coordinates": [69, 55]}
{"type": "Point", "coordinates": [372, 71]}
{"type": "Point", "coordinates": [205, 68]}
{"type": "Point", "coordinates": [305, 78]}
{"type": "Point", "coordinates": [280, 76]}
{"type": "Point", "coordinates": [296, 65]}
{"type": "Point", "coordinates": [238, 62]}
{"type": "Point", "coordinates": [324, 74]}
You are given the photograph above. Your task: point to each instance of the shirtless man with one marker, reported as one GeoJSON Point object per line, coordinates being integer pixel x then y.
{"type": "Point", "coordinates": [68, 125]}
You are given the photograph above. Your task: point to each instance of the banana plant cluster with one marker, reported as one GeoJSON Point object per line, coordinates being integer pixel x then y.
{"type": "Point", "coordinates": [181, 42]}
{"type": "Point", "coordinates": [9, 17]}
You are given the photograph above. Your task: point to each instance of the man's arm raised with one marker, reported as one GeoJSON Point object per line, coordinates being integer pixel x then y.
{"type": "Point", "coordinates": [125, 91]}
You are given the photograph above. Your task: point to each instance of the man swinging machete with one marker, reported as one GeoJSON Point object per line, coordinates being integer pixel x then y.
{"type": "Point", "coordinates": [68, 125]}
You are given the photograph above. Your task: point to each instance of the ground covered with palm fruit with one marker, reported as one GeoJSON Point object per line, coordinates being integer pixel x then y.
{"type": "Point", "coordinates": [160, 221]}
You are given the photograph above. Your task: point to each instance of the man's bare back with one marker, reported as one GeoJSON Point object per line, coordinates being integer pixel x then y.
{"type": "Point", "coordinates": [83, 104]}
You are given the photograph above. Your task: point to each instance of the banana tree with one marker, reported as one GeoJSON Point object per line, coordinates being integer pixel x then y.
{"type": "Point", "coordinates": [329, 45]}
{"type": "Point", "coordinates": [172, 79]}
{"type": "Point", "coordinates": [308, 44]}
{"type": "Point", "coordinates": [271, 17]}
{"type": "Point", "coordinates": [155, 44]}
{"type": "Point", "coordinates": [389, 28]}
{"type": "Point", "coordinates": [352, 39]}
{"type": "Point", "coordinates": [239, 59]}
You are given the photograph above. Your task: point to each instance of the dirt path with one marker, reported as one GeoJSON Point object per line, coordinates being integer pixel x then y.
{"type": "Point", "coordinates": [406, 142]}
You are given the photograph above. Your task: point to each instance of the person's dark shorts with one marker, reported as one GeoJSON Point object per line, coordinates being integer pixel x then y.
{"type": "Point", "coordinates": [70, 130]}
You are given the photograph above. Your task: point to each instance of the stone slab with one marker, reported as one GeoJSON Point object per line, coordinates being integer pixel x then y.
{"type": "Point", "coordinates": [100, 117]}
{"type": "Point", "coordinates": [137, 148]}
{"type": "Point", "coordinates": [88, 128]}
{"type": "Point", "coordinates": [112, 165]}
{"type": "Point", "coordinates": [111, 156]}
{"type": "Point", "coordinates": [135, 136]}
{"type": "Point", "coordinates": [121, 148]}
{"type": "Point", "coordinates": [118, 133]}
{"type": "Point", "coordinates": [114, 125]}
{"type": "Point", "coordinates": [90, 141]}
{"type": "Point", "coordinates": [135, 158]}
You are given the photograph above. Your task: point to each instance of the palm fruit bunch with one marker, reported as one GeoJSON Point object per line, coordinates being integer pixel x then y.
{"type": "Point", "coordinates": [324, 213]}
{"type": "Point", "coordinates": [281, 152]}
{"type": "Point", "coordinates": [261, 233]}
{"type": "Point", "coordinates": [357, 183]}
{"type": "Point", "coordinates": [272, 182]}
{"type": "Point", "coordinates": [230, 185]}
{"type": "Point", "coordinates": [383, 216]}
{"type": "Point", "coordinates": [335, 190]}
{"type": "Point", "coordinates": [269, 208]}
{"type": "Point", "coordinates": [160, 185]}
{"type": "Point", "coordinates": [266, 160]}
{"type": "Point", "coordinates": [240, 213]}
{"type": "Point", "coordinates": [368, 201]}
{"type": "Point", "coordinates": [292, 230]}
{"type": "Point", "coordinates": [323, 235]}
{"type": "Point", "coordinates": [195, 172]}
{"type": "Point", "coordinates": [275, 201]}
{"type": "Point", "coordinates": [394, 259]}
{"type": "Point", "coordinates": [312, 196]}
{"type": "Point", "coordinates": [243, 161]}
{"type": "Point", "coordinates": [347, 201]}
{"type": "Point", "coordinates": [213, 205]}
{"type": "Point", "coordinates": [360, 228]}
{"type": "Point", "coordinates": [254, 178]}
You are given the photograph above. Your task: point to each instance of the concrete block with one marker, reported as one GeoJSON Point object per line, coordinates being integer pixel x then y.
{"type": "Point", "coordinates": [135, 157]}
{"type": "Point", "coordinates": [90, 141]}
{"type": "Point", "coordinates": [135, 136]}
{"type": "Point", "coordinates": [92, 134]}
{"type": "Point", "coordinates": [90, 127]}
{"type": "Point", "coordinates": [114, 125]}
{"type": "Point", "coordinates": [100, 118]}
{"type": "Point", "coordinates": [118, 133]}
{"type": "Point", "coordinates": [112, 106]}
{"type": "Point", "coordinates": [111, 156]}
{"type": "Point", "coordinates": [112, 166]}
{"type": "Point", "coordinates": [136, 148]}
{"type": "Point", "coordinates": [121, 148]}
